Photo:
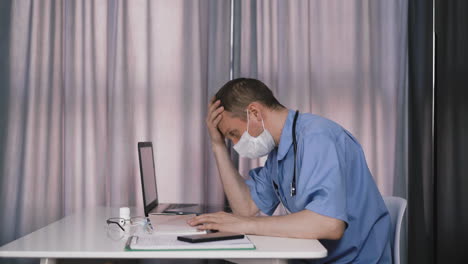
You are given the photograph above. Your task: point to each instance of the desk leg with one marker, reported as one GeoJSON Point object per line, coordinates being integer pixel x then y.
{"type": "Point", "coordinates": [257, 261]}
{"type": "Point", "coordinates": [48, 261]}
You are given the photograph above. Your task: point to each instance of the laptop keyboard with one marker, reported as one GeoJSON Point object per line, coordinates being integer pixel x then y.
{"type": "Point", "coordinates": [178, 206]}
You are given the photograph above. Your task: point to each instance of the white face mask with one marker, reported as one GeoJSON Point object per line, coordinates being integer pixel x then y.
{"type": "Point", "coordinates": [254, 147]}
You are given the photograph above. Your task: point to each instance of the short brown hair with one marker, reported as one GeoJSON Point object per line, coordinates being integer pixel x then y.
{"type": "Point", "coordinates": [237, 94]}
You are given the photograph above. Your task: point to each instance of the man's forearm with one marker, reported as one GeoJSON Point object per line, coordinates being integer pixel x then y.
{"type": "Point", "coordinates": [234, 186]}
{"type": "Point", "coordinates": [303, 224]}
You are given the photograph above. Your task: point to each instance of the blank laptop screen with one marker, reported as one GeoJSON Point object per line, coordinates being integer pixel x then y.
{"type": "Point", "coordinates": [149, 174]}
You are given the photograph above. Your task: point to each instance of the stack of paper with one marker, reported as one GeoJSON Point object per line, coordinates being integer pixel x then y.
{"type": "Point", "coordinates": [173, 224]}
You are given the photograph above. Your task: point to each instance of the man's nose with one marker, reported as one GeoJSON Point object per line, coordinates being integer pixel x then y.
{"type": "Point", "coordinates": [234, 141]}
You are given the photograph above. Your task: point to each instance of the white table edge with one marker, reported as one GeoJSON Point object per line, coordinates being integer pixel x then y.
{"type": "Point", "coordinates": [209, 254]}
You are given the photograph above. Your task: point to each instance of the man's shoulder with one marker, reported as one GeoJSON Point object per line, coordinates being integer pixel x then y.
{"type": "Point", "coordinates": [313, 125]}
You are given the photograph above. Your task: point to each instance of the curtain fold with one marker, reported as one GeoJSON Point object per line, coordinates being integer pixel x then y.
{"type": "Point", "coordinates": [5, 22]}
{"type": "Point", "coordinates": [420, 135]}
{"type": "Point", "coordinates": [88, 80]}
{"type": "Point", "coordinates": [451, 130]}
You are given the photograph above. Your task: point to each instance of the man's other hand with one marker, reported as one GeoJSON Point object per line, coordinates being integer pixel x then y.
{"type": "Point", "coordinates": [212, 120]}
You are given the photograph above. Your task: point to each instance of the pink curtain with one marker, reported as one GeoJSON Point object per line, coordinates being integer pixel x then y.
{"type": "Point", "coordinates": [344, 60]}
{"type": "Point", "coordinates": [88, 80]}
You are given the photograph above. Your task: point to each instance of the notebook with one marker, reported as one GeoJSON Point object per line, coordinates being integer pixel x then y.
{"type": "Point", "coordinates": [170, 242]}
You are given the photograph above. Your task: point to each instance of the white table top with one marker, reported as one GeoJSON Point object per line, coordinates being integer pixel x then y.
{"type": "Point", "coordinates": [84, 235]}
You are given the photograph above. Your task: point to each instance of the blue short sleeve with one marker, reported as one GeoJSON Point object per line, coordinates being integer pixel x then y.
{"type": "Point", "coordinates": [321, 181]}
{"type": "Point", "coordinates": [261, 190]}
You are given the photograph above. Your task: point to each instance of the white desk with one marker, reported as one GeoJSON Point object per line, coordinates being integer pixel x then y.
{"type": "Point", "coordinates": [83, 235]}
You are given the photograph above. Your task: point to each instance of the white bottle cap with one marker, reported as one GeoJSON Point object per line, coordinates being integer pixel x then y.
{"type": "Point", "coordinates": [125, 212]}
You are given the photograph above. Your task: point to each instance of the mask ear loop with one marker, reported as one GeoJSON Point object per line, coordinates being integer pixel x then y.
{"type": "Point", "coordinates": [248, 121]}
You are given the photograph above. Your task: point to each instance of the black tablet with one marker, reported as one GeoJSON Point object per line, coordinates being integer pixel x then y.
{"type": "Point", "coordinates": [218, 236]}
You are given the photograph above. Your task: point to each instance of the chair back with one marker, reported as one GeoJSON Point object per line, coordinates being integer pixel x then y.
{"type": "Point", "coordinates": [396, 207]}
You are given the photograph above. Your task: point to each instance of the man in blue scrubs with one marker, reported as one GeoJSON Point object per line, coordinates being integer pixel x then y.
{"type": "Point", "coordinates": [330, 195]}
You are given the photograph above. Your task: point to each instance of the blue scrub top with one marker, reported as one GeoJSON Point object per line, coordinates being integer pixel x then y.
{"type": "Point", "coordinates": [332, 180]}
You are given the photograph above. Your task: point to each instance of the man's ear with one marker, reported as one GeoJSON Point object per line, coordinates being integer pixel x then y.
{"type": "Point", "coordinates": [254, 111]}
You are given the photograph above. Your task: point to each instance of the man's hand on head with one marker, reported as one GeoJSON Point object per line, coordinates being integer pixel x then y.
{"type": "Point", "coordinates": [212, 120]}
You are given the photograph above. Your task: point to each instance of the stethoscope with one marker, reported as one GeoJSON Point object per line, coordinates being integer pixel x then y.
{"type": "Point", "coordinates": [293, 182]}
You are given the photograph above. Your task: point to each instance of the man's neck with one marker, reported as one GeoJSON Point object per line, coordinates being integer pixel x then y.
{"type": "Point", "coordinates": [277, 122]}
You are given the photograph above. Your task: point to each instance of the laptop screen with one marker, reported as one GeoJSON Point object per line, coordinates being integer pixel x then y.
{"type": "Point", "coordinates": [148, 174]}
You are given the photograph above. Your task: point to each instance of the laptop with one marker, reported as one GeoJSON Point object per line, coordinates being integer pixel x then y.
{"type": "Point", "coordinates": [150, 191]}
